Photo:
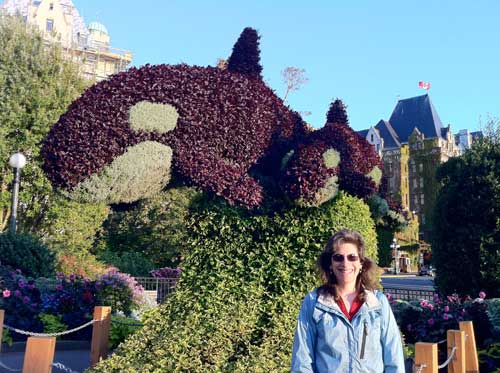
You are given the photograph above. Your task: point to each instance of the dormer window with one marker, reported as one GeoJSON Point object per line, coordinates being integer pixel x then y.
{"type": "Point", "coordinates": [49, 25]}
{"type": "Point", "coordinates": [51, 6]}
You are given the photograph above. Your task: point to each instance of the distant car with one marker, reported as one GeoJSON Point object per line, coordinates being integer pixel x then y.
{"type": "Point", "coordinates": [427, 271]}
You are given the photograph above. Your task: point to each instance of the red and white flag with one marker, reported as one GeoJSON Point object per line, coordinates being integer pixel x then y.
{"type": "Point", "coordinates": [424, 85]}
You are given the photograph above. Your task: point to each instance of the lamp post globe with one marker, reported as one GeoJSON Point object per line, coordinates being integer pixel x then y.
{"type": "Point", "coordinates": [16, 161]}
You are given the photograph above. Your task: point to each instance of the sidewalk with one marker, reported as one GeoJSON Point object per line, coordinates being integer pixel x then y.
{"type": "Point", "coordinates": [76, 360]}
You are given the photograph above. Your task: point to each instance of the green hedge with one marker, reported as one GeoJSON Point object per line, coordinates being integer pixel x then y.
{"type": "Point", "coordinates": [25, 252]}
{"type": "Point", "coordinates": [240, 292]}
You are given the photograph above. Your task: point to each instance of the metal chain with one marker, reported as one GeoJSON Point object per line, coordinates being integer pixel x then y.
{"type": "Point", "coordinates": [126, 323]}
{"type": "Point", "coordinates": [24, 332]}
{"type": "Point", "coordinates": [449, 358]}
{"type": "Point", "coordinates": [8, 368]}
{"type": "Point", "coordinates": [61, 366]}
{"type": "Point", "coordinates": [420, 368]}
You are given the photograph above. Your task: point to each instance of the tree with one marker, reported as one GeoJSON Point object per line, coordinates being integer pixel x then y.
{"type": "Point", "coordinates": [245, 58]}
{"type": "Point", "coordinates": [337, 113]}
{"type": "Point", "coordinates": [36, 86]}
{"type": "Point", "coordinates": [293, 78]}
{"type": "Point", "coordinates": [150, 234]}
{"type": "Point", "coordinates": [466, 245]}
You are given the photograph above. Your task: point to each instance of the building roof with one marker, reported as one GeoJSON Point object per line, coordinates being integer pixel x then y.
{"type": "Point", "coordinates": [416, 112]}
{"type": "Point", "coordinates": [363, 133]}
{"type": "Point", "coordinates": [96, 26]}
{"type": "Point", "coordinates": [387, 133]}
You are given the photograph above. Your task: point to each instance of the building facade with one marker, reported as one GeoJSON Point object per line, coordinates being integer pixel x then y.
{"type": "Point", "coordinates": [60, 22]}
{"type": "Point", "coordinates": [414, 143]}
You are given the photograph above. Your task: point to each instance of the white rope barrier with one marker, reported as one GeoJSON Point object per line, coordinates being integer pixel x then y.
{"type": "Point", "coordinates": [33, 334]}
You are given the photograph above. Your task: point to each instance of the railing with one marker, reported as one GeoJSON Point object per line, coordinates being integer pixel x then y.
{"type": "Point", "coordinates": [461, 347]}
{"type": "Point", "coordinates": [158, 288]}
{"type": "Point", "coordinates": [462, 356]}
{"type": "Point", "coordinates": [409, 294]}
{"type": "Point", "coordinates": [40, 347]}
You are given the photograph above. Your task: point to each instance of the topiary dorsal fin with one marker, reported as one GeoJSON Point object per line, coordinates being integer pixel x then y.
{"type": "Point", "coordinates": [337, 113]}
{"type": "Point", "coordinates": [245, 58]}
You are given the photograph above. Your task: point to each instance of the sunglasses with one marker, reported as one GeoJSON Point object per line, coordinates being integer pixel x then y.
{"type": "Point", "coordinates": [340, 258]}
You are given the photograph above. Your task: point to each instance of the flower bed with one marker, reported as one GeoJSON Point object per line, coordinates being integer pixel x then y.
{"type": "Point", "coordinates": [65, 302]}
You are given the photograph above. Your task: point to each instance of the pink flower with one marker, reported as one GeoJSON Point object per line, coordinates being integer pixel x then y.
{"type": "Point", "coordinates": [6, 293]}
{"type": "Point", "coordinates": [482, 294]}
{"type": "Point", "coordinates": [446, 309]}
{"type": "Point", "coordinates": [423, 304]}
{"type": "Point", "coordinates": [389, 296]}
{"type": "Point", "coordinates": [446, 316]}
{"type": "Point", "coordinates": [430, 306]}
{"type": "Point", "coordinates": [430, 322]}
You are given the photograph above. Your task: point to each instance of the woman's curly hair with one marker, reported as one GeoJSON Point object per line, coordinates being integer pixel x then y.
{"type": "Point", "coordinates": [367, 278]}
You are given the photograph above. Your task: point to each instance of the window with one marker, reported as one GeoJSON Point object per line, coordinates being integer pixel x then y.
{"type": "Point", "coordinates": [423, 219]}
{"type": "Point", "coordinates": [421, 199]}
{"type": "Point", "coordinates": [414, 183]}
{"type": "Point", "coordinates": [372, 137]}
{"type": "Point", "coordinates": [51, 6]}
{"type": "Point", "coordinates": [49, 26]}
{"type": "Point", "coordinates": [421, 182]}
{"type": "Point", "coordinates": [420, 167]}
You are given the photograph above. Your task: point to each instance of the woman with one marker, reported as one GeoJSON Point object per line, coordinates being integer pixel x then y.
{"type": "Point", "coordinates": [346, 325]}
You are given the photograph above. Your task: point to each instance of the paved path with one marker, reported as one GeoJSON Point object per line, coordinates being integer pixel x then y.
{"type": "Point", "coordinates": [76, 360]}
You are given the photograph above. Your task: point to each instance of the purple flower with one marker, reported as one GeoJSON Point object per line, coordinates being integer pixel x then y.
{"type": "Point", "coordinates": [26, 300]}
{"type": "Point", "coordinates": [446, 309]}
{"type": "Point", "coordinates": [446, 316]}
{"type": "Point", "coordinates": [409, 327]}
{"type": "Point", "coordinates": [436, 298]}
{"type": "Point", "coordinates": [423, 304]}
{"type": "Point", "coordinates": [21, 284]}
{"type": "Point", "coordinates": [59, 287]}
{"type": "Point", "coordinates": [17, 293]}
{"type": "Point", "coordinates": [72, 277]}
{"type": "Point", "coordinates": [430, 322]}
{"type": "Point", "coordinates": [482, 294]}
{"type": "Point", "coordinates": [6, 293]}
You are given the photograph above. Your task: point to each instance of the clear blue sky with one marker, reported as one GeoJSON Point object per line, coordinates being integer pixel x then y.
{"type": "Point", "coordinates": [368, 53]}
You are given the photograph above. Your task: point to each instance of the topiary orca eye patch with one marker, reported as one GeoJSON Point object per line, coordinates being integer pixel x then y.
{"type": "Point", "coordinates": [123, 180]}
{"type": "Point", "coordinates": [153, 117]}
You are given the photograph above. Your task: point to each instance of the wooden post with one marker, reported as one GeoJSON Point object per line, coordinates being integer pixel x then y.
{"type": "Point", "coordinates": [427, 354]}
{"type": "Point", "coordinates": [456, 338]}
{"type": "Point", "coordinates": [100, 334]}
{"type": "Point", "coordinates": [39, 355]}
{"type": "Point", "coordinates": [471, 360]}
{"type": "Point", "coordinates": [2, 314]}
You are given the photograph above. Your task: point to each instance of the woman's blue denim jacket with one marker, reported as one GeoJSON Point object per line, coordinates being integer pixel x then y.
{"type": "Point", "coordinates": [326, 341]}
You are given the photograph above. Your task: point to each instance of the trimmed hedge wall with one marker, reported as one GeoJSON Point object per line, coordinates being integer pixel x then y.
{"type": "Point", "coordinates": [240, 292]}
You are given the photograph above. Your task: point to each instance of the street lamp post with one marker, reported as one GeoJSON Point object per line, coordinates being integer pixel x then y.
{"type": "Point", "coordinates": [395, 254]}
{"type": "Point", "coordinates": [16, 161]}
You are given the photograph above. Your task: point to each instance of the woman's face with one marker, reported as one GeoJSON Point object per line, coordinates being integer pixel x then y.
{"type": "Point", "coordinates": [346, 264]}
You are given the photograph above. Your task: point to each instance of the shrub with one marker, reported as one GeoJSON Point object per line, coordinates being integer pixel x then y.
{"type": "Point", "coordinates": [21, 300]}
{"type": "Point", "coordinates": [240, 290]}
{"type": "Point", "coordinates": [120, 291]}
{"type": "Point", "coordinates": [25, 252]}
{"type": "Point", "coordinates": [52, 323]}
{"type": "Point", "coordinates": [121, 328]}
{"type": "Point", "coordinates": [428, 321]}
